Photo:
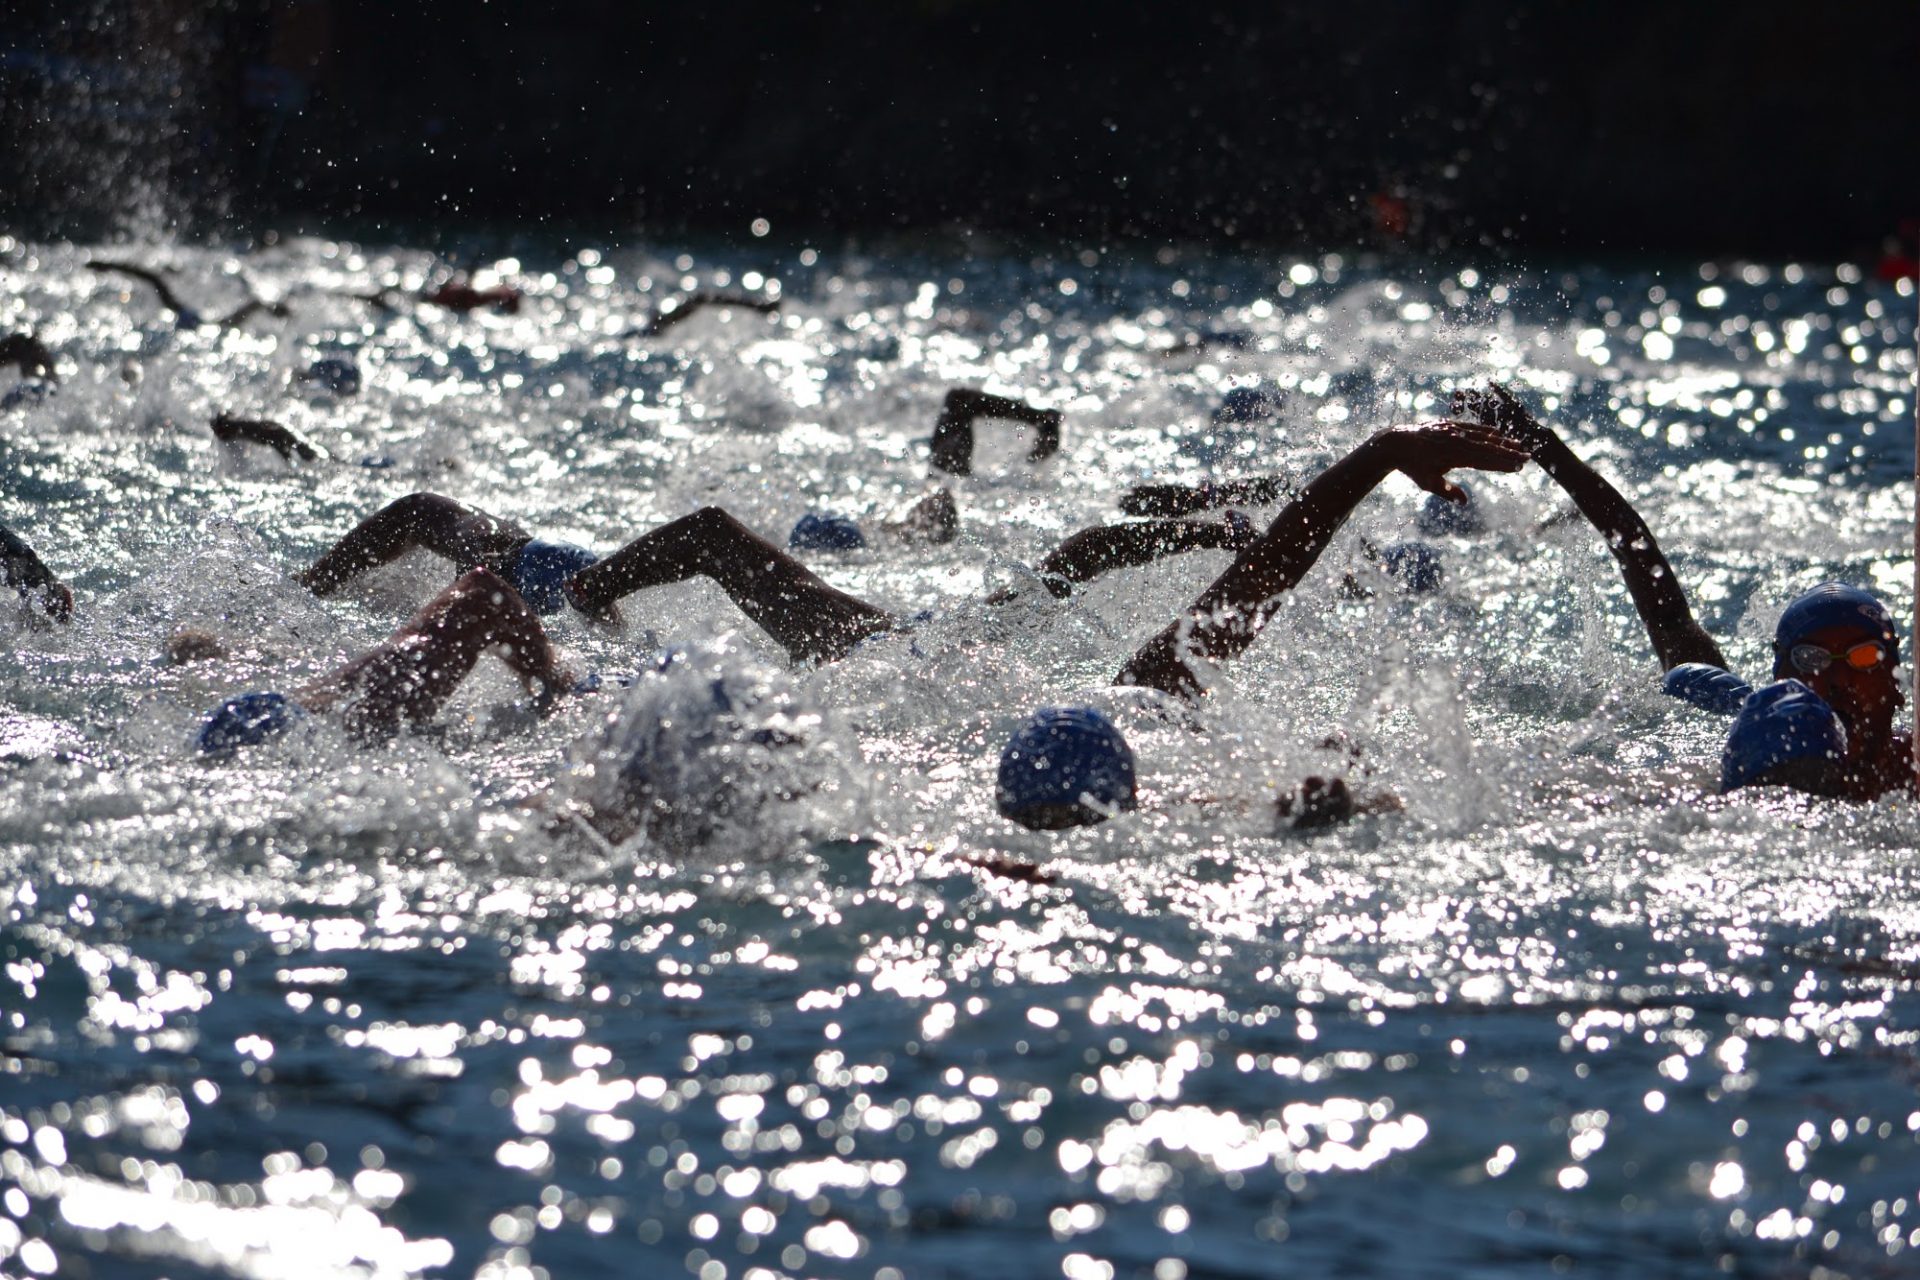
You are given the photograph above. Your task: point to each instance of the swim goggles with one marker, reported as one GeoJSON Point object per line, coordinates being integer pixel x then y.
{"type": "Point", "coordinates": [1812, 659]}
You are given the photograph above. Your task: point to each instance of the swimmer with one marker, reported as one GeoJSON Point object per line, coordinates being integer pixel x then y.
{"type": "Point", "coordinates": [23, 571]}
{"type": "Point", "coordinates": [1229, 615]}
{"type": "Point", "coordinates": [953, 431]}
{"type": "Point", "coordinates": [405, 679]}
{"type": "Point", "coordinates": [186, 316]}
{"type": "Point", "coordinates": [455, 294]}
{"type": "Point", "coordinates": [674, 311]}
{"type": "Point", "coordinates": [38, 378]}
{"type": "Point", "coordinates": [235, 432]}
{"type": "Point", "coordinates": [29, 355]}
{"type": "Point", "coordinates": [1837, 641]}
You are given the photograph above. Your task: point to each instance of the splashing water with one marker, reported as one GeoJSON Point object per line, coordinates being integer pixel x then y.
{"type": "Point", "coordinates": [326, 1010]}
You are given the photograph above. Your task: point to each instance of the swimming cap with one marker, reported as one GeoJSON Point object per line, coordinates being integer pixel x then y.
{"type": "Point", "coordinates": [1706, 686]}
{"type": "Point", "coordinates": [1440, 516]}
{"type": "Point", "coordinates": [542, 570]}
{"type": "Point", "coordinates": [1066, 767]}
{"type": "Point", "coordinates": [1784, 723]}
{"type": "Point", "coordinates": [1831, 604]}
{"type": "Point", "coordinates": [1415, 564]}
{"type": "Point", "coordinates": [247, 721]}
{"type": "Point", "coordinates": [1249, 404]}
{"type": "Point", "coordinates": [827, 532]}
{"type": "Point", "coordinates": [336, 373]}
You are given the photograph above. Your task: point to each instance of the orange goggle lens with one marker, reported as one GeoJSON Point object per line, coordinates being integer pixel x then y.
{"type": "Point", "coordinates": [1812, 659]}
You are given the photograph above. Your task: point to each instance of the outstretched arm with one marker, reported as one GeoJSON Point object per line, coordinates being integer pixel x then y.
{"type": "Point", "coordinates": [1655, 588]}
{"type": "Point", "coordinates": [1185, 499]}
{"type": "Point", "coordinates": [186, 315]}
{"type": "Point", "coordinates": [231, 430]}
{"type": "Point", "coordinates": [411, 674]}
{"type": "Point", "coordinates": [168, 298]}
{"type": "Point", "coordinates": [1231, 613]}
{"type": "Point", "coordinates": [445, 527]}
{"type": "Point", "coordinates": [953, 432]}
{"type": "Point", "coordinates": [1091, 552]}
{"type": "Point", "coordinates": [812, 621]}
{"type": "Point", "coordinates": [24, 572]}
{"type": "Point", "coordinates": [670, 315]}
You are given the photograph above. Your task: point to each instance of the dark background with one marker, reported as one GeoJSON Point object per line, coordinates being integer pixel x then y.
{"type": "Point", "coordinates": [1719, 129]}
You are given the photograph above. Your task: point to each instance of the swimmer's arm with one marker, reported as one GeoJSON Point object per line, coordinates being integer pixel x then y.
{"type": "Point", "coordinates": [1231, 613]}
{"type": "Point", "coordinates": [1091, 552]}
{"type": "Point", "coordinates": [1185, 499]}
{"type": "Point", "coordinates": [447, 528]}
{"type": "Point", "coordinates": [231, 430]}
{"type": "Point", "coordinates": [24, 572]}
{"type": "Point", "coordinates": [669, 316]}
{"type": "Point", "coordinates": [1662, 603]}
{"type": "Point", "coordinates": [953, 431]}
{"type": "Point", "coordinates": [168, 298]}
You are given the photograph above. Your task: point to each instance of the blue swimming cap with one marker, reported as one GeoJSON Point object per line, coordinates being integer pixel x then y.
{"type": "Point", "coordinates": [247, 721]}
{"type": "Point", "coordinates": [1831, 604]}
{"type": "Point", "coordinates": [543, 569]}
{"type": "Point", "coordinates": [1440, 516]}
{"type": "Point", "coordinates": [1065, 767]}
{"type": "Point", "coordinates": [1783, 723]}
{"type": "Point", "coordinates": [1415, 564]}
{"type": "Point", "coordinates": [1706, 686]}
{"type": "Point", "coordinates": [1249, 404]}
{"type": "Point", "coordinates": [336, 373]}
{"type": "Point", "coordinates": [827, 532]}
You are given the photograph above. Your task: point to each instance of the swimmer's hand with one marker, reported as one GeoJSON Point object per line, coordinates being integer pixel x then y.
{"type": "Point", "coordinates": [1500, 409]}
{"type": "Point", "coordinates": [1425, 453]}
{"type": "Point", "coordinates": [57, 600]}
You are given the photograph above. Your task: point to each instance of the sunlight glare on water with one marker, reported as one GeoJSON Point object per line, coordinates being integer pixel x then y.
{"type": "Point", "coordinates": [331, 1010]}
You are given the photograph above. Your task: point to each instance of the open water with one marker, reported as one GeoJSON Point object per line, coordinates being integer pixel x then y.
{"type": "Point", "coordinates": [330, 1011]}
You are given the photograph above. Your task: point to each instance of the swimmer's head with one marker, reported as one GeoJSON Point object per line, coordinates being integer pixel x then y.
{"type": "Point", "coordinates": [1065, 767]}
{"type": "Point", "coordinates": [826, 532]}
{"type": "Point", "coordinates": [246, 721]}
{"type": "Point", "coordinates": [1831, 606]}
{"type": "Point", "coordinates": [1840, 642]}
{"type": "Point", "coordinates": [1415, 565]}
{"type": "Point", "coordinates": [1785, 735]}
{"type": "Point", "coordinates": [1439, 515]}
{"type": "Point", "coordinates": [541, 573]}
